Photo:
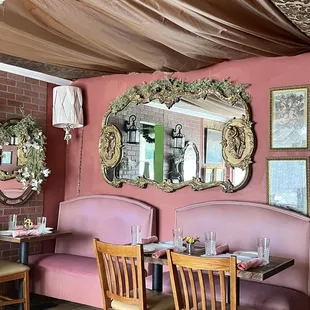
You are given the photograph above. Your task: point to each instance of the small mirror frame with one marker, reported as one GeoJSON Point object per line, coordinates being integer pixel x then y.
{"type": "Point", "coordinates": [169, 91]}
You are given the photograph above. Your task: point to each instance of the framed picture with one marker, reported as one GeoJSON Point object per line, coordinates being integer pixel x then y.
{"type": "Point", "coordinates": [288, 183]}
{"type": "Point", "coordinates": [289, 109]}
{"type": "Point", "coordinates": [6, 157]}
{"type": "Point", "coordinates": [213, 148]}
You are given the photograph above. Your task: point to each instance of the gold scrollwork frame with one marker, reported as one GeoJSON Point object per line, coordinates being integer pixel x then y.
{"type": "Point", "coordinates": [169, 91]}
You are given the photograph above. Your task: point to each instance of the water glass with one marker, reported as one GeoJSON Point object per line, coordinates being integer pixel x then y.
{"type": "Point", "coordinates": [210, 243]}
{"type": "Point", "coordinates": [177, 235]}
{"type": "Point", "coordinates": [41, 223]}
{"type": "Point", "coordinates": [12, 221]}
{"type": "Point", "coordinates": [263, 249]}
{"type": "Point", "coordinates": [135, 234]}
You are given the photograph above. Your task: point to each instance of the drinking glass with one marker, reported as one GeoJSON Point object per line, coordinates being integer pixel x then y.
{"type": "Point", "coordinates": [12, 221]}
{"type": "Point", "coordinates": [263, 249]}
{"type": "Point", "coordinates": [210, 243]}
{"type": "Point", "coordinates": [135, 234]}
{"type": "Point", "coordinates": [41, 223]}
{"type": "Point", "coordinates": [177, 234]}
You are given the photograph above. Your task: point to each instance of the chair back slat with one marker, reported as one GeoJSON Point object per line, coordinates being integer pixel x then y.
{"type": "Point", "coordinates": [119, 281]}
{"type": "Point", "coordinates": [193, 289]}
{"type": "Point", "coordinates": [195, 267]}
{"type": "Point", "coordinates": [185, 290]}
{"type": "Point", "coordinates": [223, 291]}
{"type": "Point", "coordinates": [212, 290]}
{"type": "Point", "coordinates": [202, 288]}
{"type": "Point", "coordinates": [126, 277]}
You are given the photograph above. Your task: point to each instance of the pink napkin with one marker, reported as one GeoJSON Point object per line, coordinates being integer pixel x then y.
{"type": "Point", "coordinates": [152, 239]}
{"type": "Point", "coordinates": [253, 263]}
{"type": "Point", "coordinates": [22, 233]}
{"type": "Point", "coordinates": [161, 252]}
{"type": "Point", "coordinates": [21, 227]}
{"type": "Point", "coordinates": [222, 249]}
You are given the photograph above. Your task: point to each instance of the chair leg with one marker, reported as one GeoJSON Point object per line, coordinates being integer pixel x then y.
{"type": "Point", "coordinates": [26, 291]}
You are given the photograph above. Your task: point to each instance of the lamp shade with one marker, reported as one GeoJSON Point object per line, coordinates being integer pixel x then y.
{"type": "Point", "coordinates": [67, 107]}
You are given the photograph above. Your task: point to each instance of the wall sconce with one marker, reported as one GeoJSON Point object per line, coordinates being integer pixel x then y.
{"type": "Point", "coordinates": [67, 109]}
{"type": "Point", "coordinates": [132, 130]}
{"type": "Point", "coordinates": [178, 137]}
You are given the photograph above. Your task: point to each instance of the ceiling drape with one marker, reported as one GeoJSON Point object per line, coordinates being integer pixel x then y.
{"type": "Point", "coordinates": [120, 36]}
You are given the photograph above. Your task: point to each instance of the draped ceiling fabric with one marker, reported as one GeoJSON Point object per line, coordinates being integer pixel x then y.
{"type": "Point", "coordinates": [121, 36]}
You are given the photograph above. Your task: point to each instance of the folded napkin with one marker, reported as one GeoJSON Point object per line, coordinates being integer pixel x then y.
{"type": "Point", "coordinates": [21, 227]}
{"type": "Point", "coordinates": [152, 239]}
{"type": "Point", "coordinates": [162, 252]}
{"type": "Point", "coordinates": [222, 249]}
{"type": "Point", "coordinates": [253, 263]}
{"type": "Point", "coordinates": [22, 233]}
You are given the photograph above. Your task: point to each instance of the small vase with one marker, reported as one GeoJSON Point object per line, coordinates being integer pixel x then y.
{"type": "Point", "coordinates": [190, 248]}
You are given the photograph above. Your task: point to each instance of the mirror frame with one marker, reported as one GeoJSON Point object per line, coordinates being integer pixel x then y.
{"type": "Point", "coordinates": [169, 91]}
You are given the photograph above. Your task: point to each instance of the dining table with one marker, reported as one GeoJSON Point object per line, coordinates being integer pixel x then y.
{"type": "Point", "coordinates": [24, 242]}
{"type": "Point", "coordinates": [276, 265]}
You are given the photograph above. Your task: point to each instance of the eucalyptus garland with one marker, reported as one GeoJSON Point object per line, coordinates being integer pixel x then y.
{"type": "Point", "coordinates": [31, 152]}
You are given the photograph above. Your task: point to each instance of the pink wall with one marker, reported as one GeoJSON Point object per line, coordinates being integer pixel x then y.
{"type": "Point", "coordinates": [261, 73]}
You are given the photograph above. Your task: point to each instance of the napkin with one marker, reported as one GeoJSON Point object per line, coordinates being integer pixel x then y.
{"type": "Point", "coordinates": [22, 233]}
{"type": "Point", "coordinates": [162, 252]}
{"type": "Point", "coordinates": [152, 239]}
{"type": "Point", "coordinates": [21, 227]}
{"type": "Point", "coordinates": [253, 263]}
{"type": "Point", "coordinates": [222, 249]}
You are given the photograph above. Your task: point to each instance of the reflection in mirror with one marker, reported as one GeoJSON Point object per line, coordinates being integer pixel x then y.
{"type": "Point", "coordinates": [174, 140]}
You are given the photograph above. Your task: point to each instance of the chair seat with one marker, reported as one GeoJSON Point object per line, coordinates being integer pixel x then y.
{"type": "Point", "coordinates": [8, 268]}
{"type": "Point", "coordinates": [218, 306]}
{"type": "Point", "coordinates": [154, 300]}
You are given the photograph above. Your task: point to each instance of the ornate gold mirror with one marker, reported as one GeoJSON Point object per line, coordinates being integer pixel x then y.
{"type": "Point", "coordinates": [171, 134]}
{"type": "Point", "coordinates": [22, 160]}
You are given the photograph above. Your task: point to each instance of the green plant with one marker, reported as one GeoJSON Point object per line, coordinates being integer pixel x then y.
{"type": "Point", "coordinates": [31, 152]}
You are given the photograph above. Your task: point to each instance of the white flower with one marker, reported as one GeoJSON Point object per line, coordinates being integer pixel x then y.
{"type": "Point", "coordinates": [46, 172]}
{"type": "Point", "coordinates": [26, 174]}
{"type": "Point", "coordinates": [34, 184]}
{"type": "Point", "coordinates": [40, 181]}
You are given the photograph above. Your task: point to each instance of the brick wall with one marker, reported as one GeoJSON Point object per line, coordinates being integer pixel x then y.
{"type": "Point", "coordinates": [191, 129]}
{"type": "Point", "coordinates": [18, 91]}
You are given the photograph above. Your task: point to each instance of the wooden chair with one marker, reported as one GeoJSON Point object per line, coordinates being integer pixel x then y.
{"type": "Point", "coordinates": [121, 272]}
{"type": "Point", "coordinates": [190, 267]}
{"type": "Point", "coordinates": [10, 271]}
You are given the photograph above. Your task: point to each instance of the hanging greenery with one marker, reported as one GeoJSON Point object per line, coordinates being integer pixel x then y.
{"type": "Point", "coordinates": [31, 151]}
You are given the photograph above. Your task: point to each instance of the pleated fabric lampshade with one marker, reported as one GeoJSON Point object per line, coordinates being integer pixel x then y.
{"type": "Point", "coordinates": [67, 109]}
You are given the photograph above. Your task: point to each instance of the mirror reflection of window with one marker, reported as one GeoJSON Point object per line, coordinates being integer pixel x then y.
{"type": "Point", "coordinates": [238, 176]}
{"type": "Point", "coordinates": [190, 163]}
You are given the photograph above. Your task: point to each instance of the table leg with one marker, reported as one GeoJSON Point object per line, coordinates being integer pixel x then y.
{"type": "Point", "coordinates": [23, 255]}
{"type": "Point", "coordinates": [157, 279]}
{"type": "Point", "coordinates": [237, 290]}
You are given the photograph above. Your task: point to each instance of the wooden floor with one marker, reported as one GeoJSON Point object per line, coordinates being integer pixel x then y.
{"type": "Point", "coordinates": [43, 302]}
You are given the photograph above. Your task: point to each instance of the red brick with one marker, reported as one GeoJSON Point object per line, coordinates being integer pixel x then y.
{"type": "Point", "coordinates": [42, 83]}
{"type": "Point", "coordinates": [3, 101]}
{"type": "Point", "coordinates": [3, 115]}
{"type": "Point", "coordinates": [7, 95]}
{"type": "Point", "coordinates": [15, 90]}
{"type": "Point", "coordinates": [43, 96]}
{"type": "Point", "coordinates": [41, 115]}
{"type": "Point", "coordinates": [42, 108]}
{"type": "Point", "coordinates": [32, 81]}
{"type": "Point", "coordinates": [38, 101]}
{"type": "Point", "coordinates": [14, 103]}
{"type": "Point", "coordinates": [4, 218]}
{"type": "Point", "coordinates": [23, 85]}
{"type": "Point", "coordinates": [31, 106]}
{"type": "Point", "coordinates": [16, 77]}
{"type": "Point", "coordinates": [7, 81]}
{"type": "Point", "coordinates": [28, 210]}
{"type": "Point", "coordinates": [11, 211]}
{"type": "Point", "coordinates": [8, 109]}
{"type": "Point", "coordinates": [39, 89]}
{"type": "Point", "coordinates": [3, 73]}
{"type": "Point", "coordinates": [30, 93]}
{"type": "Point", "coordinates": [23, 98]}
{"type": "Point", "coordinates": [3, 87]}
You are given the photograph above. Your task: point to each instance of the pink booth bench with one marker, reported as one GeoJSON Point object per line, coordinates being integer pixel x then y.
{"type": "Point", "coordinates": [71, 272]}
{"type": "Point", "coordinates": [239, 224]}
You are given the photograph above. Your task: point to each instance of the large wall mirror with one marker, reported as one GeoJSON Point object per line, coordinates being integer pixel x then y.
{"type": "Point", "coordinates": [22, 160]}
{"type": "Point", "coordinates": [171, 134]}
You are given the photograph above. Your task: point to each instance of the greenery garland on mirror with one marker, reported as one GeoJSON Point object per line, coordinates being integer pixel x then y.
{"type": "Point", "coordinates": [31, 152]}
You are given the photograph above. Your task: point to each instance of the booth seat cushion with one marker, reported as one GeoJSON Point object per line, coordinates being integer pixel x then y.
{"type": "Point", "coordinates": [257, 295]}
{"type": "Point", "coordinates": [53, 274]}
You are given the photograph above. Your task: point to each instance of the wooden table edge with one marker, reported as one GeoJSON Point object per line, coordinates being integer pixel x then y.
{"type": "Point", "coordinates": [38, 238]}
